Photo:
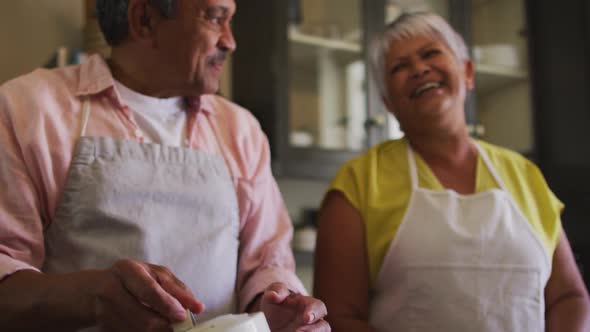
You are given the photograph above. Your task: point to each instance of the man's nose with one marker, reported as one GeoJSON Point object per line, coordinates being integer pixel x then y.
{"type": "Point", "coordinates": [226, 40]}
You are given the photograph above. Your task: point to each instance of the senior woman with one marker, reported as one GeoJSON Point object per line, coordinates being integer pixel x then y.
{"type": "Point", "coordinates": [438, 231]}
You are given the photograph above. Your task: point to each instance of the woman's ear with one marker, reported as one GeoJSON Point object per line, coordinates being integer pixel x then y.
{"type": "Point", "coordinates": [389, 105]}
{"type": "Point", "coordinates": [469, 74]}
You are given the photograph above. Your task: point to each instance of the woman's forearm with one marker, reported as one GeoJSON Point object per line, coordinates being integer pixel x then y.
{"type": "Point", "coordinates": [571, 313]}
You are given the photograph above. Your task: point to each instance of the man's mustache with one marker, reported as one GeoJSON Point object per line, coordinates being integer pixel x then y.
{"type": "Point", "coordinates": [217, 58]}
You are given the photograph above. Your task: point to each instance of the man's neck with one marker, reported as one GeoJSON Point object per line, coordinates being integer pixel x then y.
{"type": "Point", "coordinates": [140, 74]}
{"type": "Point", "coordinates": [132, 75]}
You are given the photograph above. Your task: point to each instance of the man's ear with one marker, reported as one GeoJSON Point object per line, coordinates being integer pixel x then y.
{"type": "Point", "coordinates": [143, 20]}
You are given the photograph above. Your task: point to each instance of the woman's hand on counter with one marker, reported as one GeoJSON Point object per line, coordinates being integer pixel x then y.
{"type": "Point", "coordinates": [288, 312]}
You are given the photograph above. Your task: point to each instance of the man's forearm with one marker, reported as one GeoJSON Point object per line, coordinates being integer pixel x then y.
{"type": "Point", "coordinates": [570, 314]}
{"type": "Point", "coordinates": [32, 301]}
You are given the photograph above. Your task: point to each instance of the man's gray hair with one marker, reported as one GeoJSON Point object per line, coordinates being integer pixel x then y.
{"type": "Point", "coordinates": [406, 26]}
{"type": "Point", "coordinates": [112, 17]}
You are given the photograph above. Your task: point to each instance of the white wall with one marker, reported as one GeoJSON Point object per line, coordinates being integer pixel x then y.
{"type": "Point", "coordinates": [300, 194]}
{"type": "Point", "coordinates": [31, 30]}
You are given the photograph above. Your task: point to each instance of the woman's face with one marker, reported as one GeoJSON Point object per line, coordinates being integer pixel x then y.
{"type": "Point", "coordinates": [426, 83]}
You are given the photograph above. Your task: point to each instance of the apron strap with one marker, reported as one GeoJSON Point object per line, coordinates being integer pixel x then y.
{"type": "Point", "coordinates": [412, 166]}
{"type": "Point", "coordinates": [490, 166]}
{"type": "Point", "coordinates": [191, 119]}
{"type": "Point", "coordinates": [480, 150]}
{"type": "Point", "coordinates": [85, 115]}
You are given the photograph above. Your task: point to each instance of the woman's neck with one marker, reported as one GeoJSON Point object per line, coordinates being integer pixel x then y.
{"type": "Point", "coordinates": [451, 157]}
{"type": "Point", "coordinates": [444, 148]}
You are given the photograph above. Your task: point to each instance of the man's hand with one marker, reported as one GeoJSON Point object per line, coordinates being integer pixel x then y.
{"type": "Point", "coordinates": [289, 312]}
{"type": "Point", "coordinates": [135, 296]}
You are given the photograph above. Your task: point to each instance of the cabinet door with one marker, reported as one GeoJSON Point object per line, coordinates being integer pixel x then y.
{"type": "Point", "coordinates": [300, 67]}
{"type": "Point", "coordinates": [502, 86]}
{"type": "Point", "coordinates": [327, 100]}
{"type": "Point", "coordinates": [334, 108]}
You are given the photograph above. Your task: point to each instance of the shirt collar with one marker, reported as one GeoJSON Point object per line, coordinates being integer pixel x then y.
{"type": "Point", "coordinates": [96, 77]}
{"type": "Point", "coordinates": [202, 103]}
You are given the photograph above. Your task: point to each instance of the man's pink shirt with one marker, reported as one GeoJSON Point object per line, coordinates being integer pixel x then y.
{"type": "Point", "coordinates": [40, 122]}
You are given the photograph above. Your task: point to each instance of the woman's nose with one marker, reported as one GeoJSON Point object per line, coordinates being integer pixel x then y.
{"type": "Point", "coordinates": [419, 69]}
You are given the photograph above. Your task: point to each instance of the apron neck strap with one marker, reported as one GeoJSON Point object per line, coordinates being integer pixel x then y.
{"type": "Point", "coordinates": [412, 166]}
{"type": "Point", "coordinates": [490, 166]}
{"type": "Point", "coordinates": [85, 115]}
{"type": "Point", "coordinates": [480, 151]}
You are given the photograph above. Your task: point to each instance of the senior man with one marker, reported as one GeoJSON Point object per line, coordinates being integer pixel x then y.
{"type": "Point", "coordinates": [131, 192]}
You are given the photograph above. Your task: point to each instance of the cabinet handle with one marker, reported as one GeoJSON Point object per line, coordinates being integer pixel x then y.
{"type": "Point", "coordinates": [477, 130]}
{"type": "Point", "coordinates": [378, 120]}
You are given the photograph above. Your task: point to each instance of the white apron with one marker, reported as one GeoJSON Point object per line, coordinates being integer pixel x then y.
{"type": "Point", "coordinates": [461, 263]}
{"type": "Point", "coordinates": [170, 206]}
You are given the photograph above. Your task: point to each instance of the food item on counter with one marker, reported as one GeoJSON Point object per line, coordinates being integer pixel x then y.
{"type": "Point", "coordinates": [226, 323]}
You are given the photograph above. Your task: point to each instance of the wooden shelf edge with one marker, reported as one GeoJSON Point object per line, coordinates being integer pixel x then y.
{"type": "Point", "coordinates": [516, 73]}
{"type": "Point", "coordinates": [296, 36]}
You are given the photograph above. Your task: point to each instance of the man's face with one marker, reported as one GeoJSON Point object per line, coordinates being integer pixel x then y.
{"type": "Point", "coordinates": [191, 47]}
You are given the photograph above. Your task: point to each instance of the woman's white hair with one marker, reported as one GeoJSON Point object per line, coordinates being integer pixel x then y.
{"type": "Point", "coordinates": [406, 26]}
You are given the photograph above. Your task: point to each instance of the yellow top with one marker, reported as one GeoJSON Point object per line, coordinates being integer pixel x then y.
{"type": "Point", "coordinates": [377, 184]}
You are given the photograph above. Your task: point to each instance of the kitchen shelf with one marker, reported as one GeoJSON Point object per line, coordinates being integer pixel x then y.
{"type": "Point", "coordinates": [489, 78]}
{"type": "Point", "coordinates": [297, 36]}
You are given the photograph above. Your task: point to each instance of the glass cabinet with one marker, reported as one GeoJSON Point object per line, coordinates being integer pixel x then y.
{"type": "Point", "coordinates": [502, 87]}
{"type": "Point", "coordinates": [499, 109]}
{"type": "Point", "coordinates": [327, 98]}
{"type": "Point", "coordinates": [301, 68]}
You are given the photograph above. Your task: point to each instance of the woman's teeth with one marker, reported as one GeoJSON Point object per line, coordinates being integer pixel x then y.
{"type": "Point", "coordinates": [426, 87]}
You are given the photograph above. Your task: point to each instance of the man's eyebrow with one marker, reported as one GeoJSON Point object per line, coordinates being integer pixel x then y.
{"type": "Point", "coordinates": [216, 9]}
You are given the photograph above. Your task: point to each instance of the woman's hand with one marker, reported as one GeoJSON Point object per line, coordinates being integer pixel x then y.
{"type": "Point", "coordinates": [290, 312]}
